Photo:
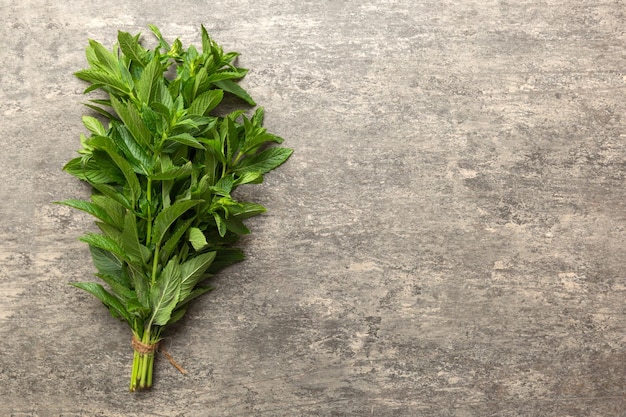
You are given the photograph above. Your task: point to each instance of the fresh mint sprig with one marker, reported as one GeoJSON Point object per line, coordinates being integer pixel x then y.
{"type": "Point", "coordinates": [163, 166]}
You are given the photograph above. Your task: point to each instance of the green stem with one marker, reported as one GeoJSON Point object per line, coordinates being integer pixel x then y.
{"type": "Point", "coordinates": [134, 375]}
{"type": "Point", "coordinates": [150, 359]}
{"type": "Point", "coordinates": [155, 263]}
{"type": "Point", "coordinates": [149, 198]}
{"type": "Point", "coordinates": [146, 364]}
{"type": "Point", "coordinates": [223, 171]}
{"type": "Point", "coordinates": [239, 155]}
{"type": "Point", "coordinates": [143, 363]}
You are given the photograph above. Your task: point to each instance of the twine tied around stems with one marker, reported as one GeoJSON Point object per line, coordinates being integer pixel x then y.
{"type": "Point", "coordinates": [141, 347]}
{"type": "Point", "coordinates": [145, 348]}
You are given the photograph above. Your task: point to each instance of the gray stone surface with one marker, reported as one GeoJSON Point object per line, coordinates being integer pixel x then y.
{"type": "Point", "coordinates": [447, 240]}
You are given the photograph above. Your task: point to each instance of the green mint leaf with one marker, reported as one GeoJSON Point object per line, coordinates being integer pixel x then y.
{"type": "Point", "coordinates": [168, 216]}
{"type": "Point", "coordinates": [164, 295]}
{"type": "Point", "coordinates": [130, 47]}
{"type": "Point", "coordinates": [100, 110]}
{"type": "Point", "coordinates": [197, 238]}
{"type": "Point", "coordinates": [174, 173]}
{"type": "Point", "coordinates": [186, 139]}
{"type": "Point", "coordinates": [264, 161]}
{"type": "Point", "coordinates": [104, 80]}
{"type": "Point", "coordinates": [120, 290]}
{"type": "Point", "coordinates": [219, 222]}
{"type": "Point", "coordinates": [157, 33]}
{"type": "Point", "coordinates": [115, 306]}
{"type": "Point", "coordinates": [231, 136]}
{"type": "Point", "coordinates": [207, 43]}
{"type": "Point", "coordinates": [177, 314]}
{"type": "Point", "coordinates": [139, 157]}
{"type": "Point", "coordinates": [198, 291]}
{"type": "Point", "coordinates": [249, 177]}
{"type": "Point", "coordinates": [133, 122]}
{"type": "Point", "coordinates": [114, 209]}
{"type": "Point", "coordinates": [192, 272]}
{"type": "Point", "coordinates": [140, 283]}
{"type": "Point", "coordinates": [90, 208]}
{"type": "Point", "coordinates": [224, 186]}
{"type": "Point", "coordinates": [231, 87]}
{"type": "Point", "coordinates": [114, 194]}
{"type": "Point", "coordinates": [246, 210]}
{"type": "Point", "coordinates": [224, 75]}
{"type": "Point", "coordinates": [149, 81]}
{"type": "Point", "coordinates": [94, 125]}
{"type": "Point", "coordinates": [235, 225]}
{"type": "Point", "coordinates": [258, 117]}
{"type": "Point", "coordinates": [129, 240]}
{"type": "Point", "coordinates": [206, 102]}
{"type": "Point", "coordinates": [104, 242]}
{"type": "Point", "coordinates": [134, 187]}
{"type": "Point", "coordinates": [105, 59]}
{"type": "Point", "coordinates": [105, 262]}
{"type": "Point", "coordinates": [172, 242]}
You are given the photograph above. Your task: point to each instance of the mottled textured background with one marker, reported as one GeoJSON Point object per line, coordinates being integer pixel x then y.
{"type": "Point", "coordinates": [447, 240]}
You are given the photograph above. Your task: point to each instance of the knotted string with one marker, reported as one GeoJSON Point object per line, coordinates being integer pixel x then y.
{"type": "Point", "coordinates": [141, 347]}
{"type": "Point", "coordinates": [145, 348]}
